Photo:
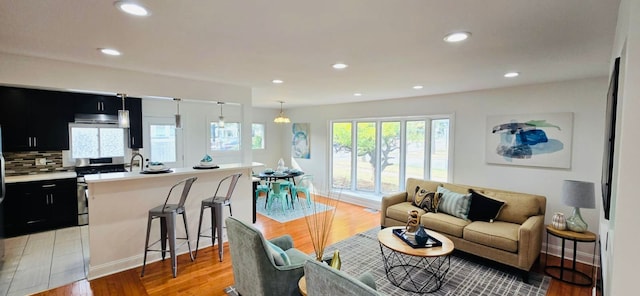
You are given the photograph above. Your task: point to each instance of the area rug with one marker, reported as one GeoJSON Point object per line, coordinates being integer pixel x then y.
{"type": "Point", "coordinates": [468, 275]}
{"type": "Point", "coordinates": [300, 210]}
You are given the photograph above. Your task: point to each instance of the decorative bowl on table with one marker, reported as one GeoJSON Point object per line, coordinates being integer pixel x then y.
{"type": "Point", "coordinates": [268, 171]}
{"type": "Point", "coordinates": [207, 164]}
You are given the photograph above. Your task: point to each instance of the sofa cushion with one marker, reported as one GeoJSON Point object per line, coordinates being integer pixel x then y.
{"type": "Point", "coordinates": [484, 208]}
{"type": "Point", "coordinates": [499, 235]}
{"type": "Point", "coordinates": [454, 203]}
{"type": "Point", "coordinates": [400, 211]}
{"type": "Point", "coordinates": [444, 223]}
{"type": "Point", "coordinates": [518, 208]}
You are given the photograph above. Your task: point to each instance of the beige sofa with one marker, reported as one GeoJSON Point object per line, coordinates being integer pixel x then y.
{"type": "Point", "coordinates": [514, 238]}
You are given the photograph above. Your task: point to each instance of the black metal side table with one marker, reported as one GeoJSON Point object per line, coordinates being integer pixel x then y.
{"type": "Point", "coordinates": [563, 273]}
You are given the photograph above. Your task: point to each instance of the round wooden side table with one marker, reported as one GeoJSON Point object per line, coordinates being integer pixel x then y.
{"type": "Point", "coordinates": [302, 285]}
{"type": "Point", "coordinates": [562, 272]}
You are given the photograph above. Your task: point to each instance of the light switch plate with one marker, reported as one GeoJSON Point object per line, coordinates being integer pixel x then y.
{"type": "Point", "coordinates": [41, 161]}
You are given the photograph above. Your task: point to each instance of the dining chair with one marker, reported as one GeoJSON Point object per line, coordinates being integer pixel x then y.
{"type": "Point", "coordinates": [215, 204]}
{"type": "Point", "coordinates": [303, 186]}
{"type": "Point", "coordinates": [262, 187]}
{"type": "Point", "coordinates": [277, 193]}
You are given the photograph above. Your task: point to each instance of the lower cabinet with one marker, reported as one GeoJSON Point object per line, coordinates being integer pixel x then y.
{"type": "Point", "coordinates": [38, 206]}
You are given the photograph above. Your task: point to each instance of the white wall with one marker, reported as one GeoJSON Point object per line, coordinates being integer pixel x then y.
{"type": "Point", "coordinates": [621, 247]}
{"type": "Point", "coordinates": [585, 98]}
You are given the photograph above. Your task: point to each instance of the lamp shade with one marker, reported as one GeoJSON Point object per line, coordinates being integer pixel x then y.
{"type": "Point", "coordinates": [578, 194]}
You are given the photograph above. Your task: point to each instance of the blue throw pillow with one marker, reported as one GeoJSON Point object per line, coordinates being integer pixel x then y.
{"type": "Point", "coordinates": [453, 203]}
{"type": "Point", "coordinates": [279, 256]}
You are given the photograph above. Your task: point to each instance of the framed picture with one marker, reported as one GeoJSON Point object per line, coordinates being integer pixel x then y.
{"type": "Point", "coordinates": [541, 140]}
{"type": "Point", "coordinates": [300, 142]}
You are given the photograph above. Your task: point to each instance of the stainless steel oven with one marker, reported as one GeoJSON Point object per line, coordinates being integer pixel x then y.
{"type": "Point", "coordinates": [88, 166]}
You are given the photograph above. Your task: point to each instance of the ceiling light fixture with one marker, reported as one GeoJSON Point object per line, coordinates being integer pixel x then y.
{"type": "Point", "coordinates": [339, 66]}
{"type": "Point", "coordinates": [132, 8]}
{"type": "Point", "coordinates": [357, 94]}
{"type": "Point", "coordinates": [511, 74]}
{"type": "Point", "coordinates": [221, 118]}
{"type": "Point", "coordinates": [418, 87]}
{"type": "Point", "coordinates": [281, 118]}
{"type": "Point", "coordinates": [457, 36]}
{"type": "Point", "coordinates": [277, 81]}
{"type": "Point", "coordinates": [178, 117]}
{"type": "Point", "coordinates": [123, 115]}
{"type": "Point", "coordinates": [109, 51]}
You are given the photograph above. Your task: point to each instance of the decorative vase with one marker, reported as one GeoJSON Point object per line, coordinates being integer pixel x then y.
{"type": "Point", "coordinates": [335, 260]}
{"type": "Point", "coordinates": [421, 236]}
{"type": "Point", "coordinates": [558, 221]}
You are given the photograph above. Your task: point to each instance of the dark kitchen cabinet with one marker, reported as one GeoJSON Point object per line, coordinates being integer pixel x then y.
{"type": "Point", "coordinates": [34, 119]}
{"type": "Point", "coordinates": [134, 105]}
{"type": "Point", "coordinates": [97, 104]}
{"type": "Point", "coordinates": [41, 205]}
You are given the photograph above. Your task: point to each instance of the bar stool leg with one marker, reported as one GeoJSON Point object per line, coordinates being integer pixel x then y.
{"type": "Point", "coordinates": [186, 231]}
{"type": "Point", "coordinates": [218, 215]}
{"type": "Point", "coordinates": [146, 246]}
{"type": "Point", "coordinates": [199, 229]}
{"type": "Point", "coordinates": [171, 220]}
{"type": "Point", "coordinates": [163, 236]}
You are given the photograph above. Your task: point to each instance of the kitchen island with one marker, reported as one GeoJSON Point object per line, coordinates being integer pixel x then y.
{"type": "Point", "coordinates": [119, 204]}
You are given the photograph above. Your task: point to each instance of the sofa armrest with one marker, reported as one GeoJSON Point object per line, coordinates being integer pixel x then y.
{"type": "Point", "coordinates": [389, 200]}
{"type": "Point", "coordinates": [285, 242]}
{"type": "Point", "coordinates": [530, 240]}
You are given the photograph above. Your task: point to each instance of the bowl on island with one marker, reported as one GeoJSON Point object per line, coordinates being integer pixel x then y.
{"type": "Point", "coordinates": [156, 166]}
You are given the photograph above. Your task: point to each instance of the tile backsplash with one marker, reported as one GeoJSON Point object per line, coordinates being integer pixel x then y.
{"type": "Point", "coordinates": [24, 163]}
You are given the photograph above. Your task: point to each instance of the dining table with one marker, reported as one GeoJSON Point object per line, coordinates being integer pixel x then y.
{"type": "Point", "coordinates": [274, 176]}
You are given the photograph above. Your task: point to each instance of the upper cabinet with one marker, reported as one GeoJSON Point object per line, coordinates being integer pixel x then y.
{"type": "Point", "coordinates": [35, 119]}
{"type": "Point", "coordinates": [38, 120]}
{"type": "Point", "coordinates": [134, 105]}
{"type": "Point", "coordinates": [97, 104]}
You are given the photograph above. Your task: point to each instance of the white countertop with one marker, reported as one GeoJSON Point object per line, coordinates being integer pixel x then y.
{"type": "Point", "coordinates": [40, 177]}
{"type": "Point", "coordinates": [110, 177]}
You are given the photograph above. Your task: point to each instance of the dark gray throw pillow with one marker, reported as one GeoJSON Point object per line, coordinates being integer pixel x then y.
{"type": "Point", "coordinates": [484, 208]}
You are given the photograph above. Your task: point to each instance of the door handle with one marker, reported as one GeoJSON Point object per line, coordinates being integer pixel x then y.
{"type": "Point", "coordinates": [29, 138]}
{"type": "Point", "coordinates": [48, 185]}
{"type": "Point", "coordinates": [35, 142]}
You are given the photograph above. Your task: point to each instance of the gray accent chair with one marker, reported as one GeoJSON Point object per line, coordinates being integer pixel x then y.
{"type": "Point", "coordinates": [324, 280]}
{"type": "Point", "coordinates": [254, 269]}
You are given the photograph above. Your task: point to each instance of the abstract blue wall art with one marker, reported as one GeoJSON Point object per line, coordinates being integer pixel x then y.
{"type": "Point", "coordinates": [542, 140]}
{"type": "Point", "coordinates": [300, 142]}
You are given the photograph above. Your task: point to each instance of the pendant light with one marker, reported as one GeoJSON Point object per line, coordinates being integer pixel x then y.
{"type": "Point", "coordinates": [221, 118]}
{"type": "Point", "coordinates": [123, 115]}
{"type": "Point", "coordinates": [178, 119]}
{"type": "Point", "coordinates": [281, 118]}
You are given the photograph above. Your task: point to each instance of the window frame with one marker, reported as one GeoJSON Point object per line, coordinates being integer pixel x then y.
{"type": "Point", "coordinates": [377, 193]}
{"type": "Point", "coordinates": [98, 127]}
{"type": "Point", "coordinates": [264, 136]}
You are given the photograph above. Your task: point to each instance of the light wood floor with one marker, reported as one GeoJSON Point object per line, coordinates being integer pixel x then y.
{"type": "Point", "coordinates": [208, 276]}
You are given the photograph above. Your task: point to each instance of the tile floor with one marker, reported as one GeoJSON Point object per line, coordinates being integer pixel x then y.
{"type": "Point", "coordinates": [45, 260]}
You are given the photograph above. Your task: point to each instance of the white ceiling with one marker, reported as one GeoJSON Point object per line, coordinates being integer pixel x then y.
{"type": "Point", "coordinates": [389, 45]}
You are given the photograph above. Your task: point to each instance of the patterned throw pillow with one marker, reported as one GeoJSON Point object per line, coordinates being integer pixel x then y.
{"type": "Point", "coordinates": [425, 199]}
{"type": "Point", "coordinates": [418, 196]}
{"type": "Point", "coordinates": [453, 203]}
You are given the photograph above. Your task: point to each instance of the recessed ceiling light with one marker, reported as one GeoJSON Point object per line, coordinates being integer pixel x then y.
{"type": "Point", "coordinates": [339, 66]}
{"type": "Point", "coordinates": [511, 74]}
{"type": "Point", "coordinates": [132, 8]}
{"type": "Point", "coordinates": [277, 81]}
{"type": "Point", "coordinates": [418, 87]}
{"type": "Point", "coordinates": [457, 36]}
{"type": "Point", "coordinates": [109, 51]}
{"type": "Point", "coordinates": [357, 94]}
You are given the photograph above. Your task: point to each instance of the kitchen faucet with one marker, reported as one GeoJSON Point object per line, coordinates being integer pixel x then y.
{"type": "Point", "coordinates": [141, 161]}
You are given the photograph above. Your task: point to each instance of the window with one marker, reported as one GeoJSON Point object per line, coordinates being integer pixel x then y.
{"type": "Point", "coordinates": [257, 136]}
{"type": "Point", "coordinates": [88, 141]}
{"type": "Point", "coordinates": [387, 151]}
{"type": "Point", "coordinates": [163, 142]}
{"type": "Point", "coordinates": [226, 138]}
